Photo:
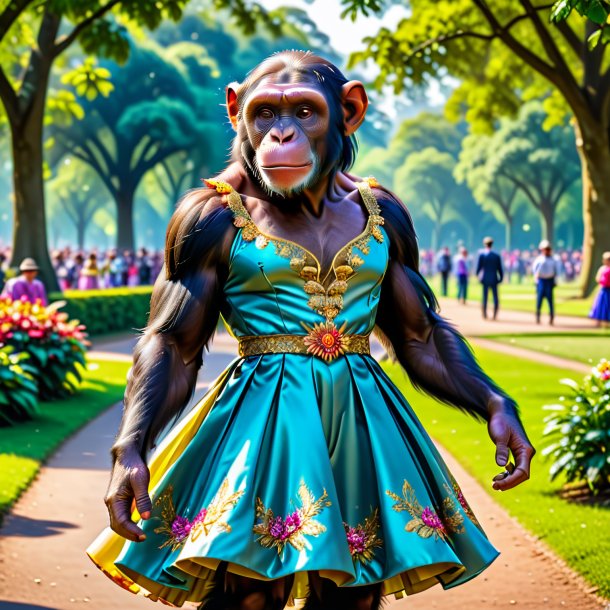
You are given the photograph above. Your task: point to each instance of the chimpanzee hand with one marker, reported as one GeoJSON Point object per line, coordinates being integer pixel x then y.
{"type": "Point", "coordinates": [129, 480]}
{"type": "Point", "coordinates": [506, 432]}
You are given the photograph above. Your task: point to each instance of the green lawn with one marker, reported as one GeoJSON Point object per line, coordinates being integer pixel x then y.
{"type": "Point", "coordinates": [576, 533]}
{"type": "Point", "coordinates": [24, 447]}
{"type": "Point", "coordinates": [522, 297]}
{"type": "Point", "coordinates": [586, 346]}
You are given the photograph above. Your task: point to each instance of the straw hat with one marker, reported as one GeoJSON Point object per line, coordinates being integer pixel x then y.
{"type": "Point", "coordinates": [28, 264]}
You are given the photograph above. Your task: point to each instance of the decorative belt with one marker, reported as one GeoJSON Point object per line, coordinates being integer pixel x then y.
{"type": "Point", "coordinates": [324, 342]}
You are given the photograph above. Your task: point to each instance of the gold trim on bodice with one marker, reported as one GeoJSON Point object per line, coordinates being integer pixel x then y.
{"type": "Point", "coordinates": [324, 338]}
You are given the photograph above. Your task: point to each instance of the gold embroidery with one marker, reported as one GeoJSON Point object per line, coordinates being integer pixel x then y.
{"type": "Point", "coordinates": [277, 532]}
{"type": "Point", "coordinates": [178, 528]}
{"type": "Point", "coordinates": [426, 522]}
{"type": "Point", "coordinates": [295, 344]}
{"type": "Point", "coordinates": [462, 500]}
{"type": "Point", "coordinates": [327, 302]}
{"type": "Point", "coordinates": [364, 538]}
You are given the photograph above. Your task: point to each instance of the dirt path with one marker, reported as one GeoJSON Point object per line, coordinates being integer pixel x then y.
{"type": "Point", "coordinates": [43, 564]}
{"type": "Point", "coordinates": [468, 317]}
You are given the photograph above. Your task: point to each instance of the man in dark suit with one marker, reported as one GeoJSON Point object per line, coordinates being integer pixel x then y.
{"type": "Point", "coordinates": [490, 274]}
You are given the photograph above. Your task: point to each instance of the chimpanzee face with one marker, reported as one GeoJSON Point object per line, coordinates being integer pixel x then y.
{"type": "Point", "coordinates": [291, 134]}
{"type": "Point", "coordinates": [287, 126]}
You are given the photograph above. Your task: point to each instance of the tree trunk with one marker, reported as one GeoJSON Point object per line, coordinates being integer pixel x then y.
{"type": "Point", "coordinates": [26, 122]}
{"type": "Point", "coordinates": [508, 230]}
{"type": "Point", "coordinates": [547, 214]}
{"type": "Point", "coordinates": [436, 236]}
{"type": "Point", "coordinates": [30, 226]}
{"type": "Point", "coordinates": [125, 236]}
{"type": "Point", "coordinates": [594, 149]}
{"type": "Point", "coordinates": [81, 225]}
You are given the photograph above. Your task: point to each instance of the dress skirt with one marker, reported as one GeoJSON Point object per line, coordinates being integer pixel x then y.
{"type": "Point", "coordinates": [601, 305]}
{"type": "Point", "coordinates": [288, 465]}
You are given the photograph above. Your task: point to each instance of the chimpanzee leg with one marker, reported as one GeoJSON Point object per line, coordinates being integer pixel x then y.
{"type": "Point", "coordinates": [328, 596]}
{"type": "Point", "coordinates": [233, 592]}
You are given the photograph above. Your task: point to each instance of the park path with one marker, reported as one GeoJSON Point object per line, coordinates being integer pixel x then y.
{"type": "Point", "coordinates": [43, 565]}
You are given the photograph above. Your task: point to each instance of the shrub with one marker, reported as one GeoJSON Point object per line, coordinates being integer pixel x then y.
{"type": "Point", "coordinates": [18, 389]}
{"type": "Point", "coordinates": [55, 344]}
{"type": "Point", "coordinates": [108, 310]}
{"type": "Point", "coordinates": [579, 431]}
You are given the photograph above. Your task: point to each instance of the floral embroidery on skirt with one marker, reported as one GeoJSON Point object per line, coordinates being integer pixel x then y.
{"type": "Point", "coordinates": [276, 532]}
{"type": "Point", "coordinates": [364, 538]}
{"type": "Point", "coordinates": [426, 521]}
{"type": "Point", "coordinates": [178, 528]}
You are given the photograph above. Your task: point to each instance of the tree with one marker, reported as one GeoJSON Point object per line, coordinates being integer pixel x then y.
{"type": "Point", "coordinates": [150, 116]}
{"type": "Point", "coordinates": [78, 193]}
{"type": "Point", "coordinates": [493, 192]}
{"type": "Point", "coordinates": [35, 44]}
{"type": "Point", "coordinates": [426, 178]}
{"type": "Point", "coordinates": [503, 51]}
{"type": "Point", "coordinates": [521, 162]}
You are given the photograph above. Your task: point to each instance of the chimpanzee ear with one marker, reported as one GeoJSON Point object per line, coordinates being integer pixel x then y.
{"type": "Point", "coordinates": [355, 103]}
{"type": "Point", "coordinates": [232, 107]}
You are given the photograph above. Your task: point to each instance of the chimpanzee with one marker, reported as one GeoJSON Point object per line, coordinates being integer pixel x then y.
{"type": "Point", "coordinates": [290, 477]}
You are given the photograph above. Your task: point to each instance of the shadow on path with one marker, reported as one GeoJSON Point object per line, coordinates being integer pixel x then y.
{"type": "Point", "coordinates": [18, 606]}
{"type": "Point", "coordinates": [20, 525]}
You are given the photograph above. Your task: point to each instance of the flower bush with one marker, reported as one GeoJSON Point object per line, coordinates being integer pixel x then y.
{"type": "Point", "coordinates": [55, 344]}
{"type": "Point", "coordinates": [578, 431]}
{"type": "Point", "coordinates": [18, 389]}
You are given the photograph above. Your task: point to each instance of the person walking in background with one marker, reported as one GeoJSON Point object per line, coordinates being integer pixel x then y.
{"type": "Point", "coordinates": [601, 305]}
{"type": "Point", "coordinates": [462, 269]}
{"type": "Point", "coordinates": [490, 274]}
{"type": "Point", "coordinates": [545, 270]}
{"type": "Point", "coordinates": [62, 270]}
{"type": "Point", "coordinates": [89, 274]}
{"type": "Point", "coordinates": [443, 265]}
{"type": "Point", "coordinates": [144, 267]}
{"type": "Point", "coordinates": [26, 285]}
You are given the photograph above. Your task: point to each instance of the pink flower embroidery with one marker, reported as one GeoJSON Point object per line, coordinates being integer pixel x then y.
{"type": "Point", "coordinates": [276, 532]}
{"type": "Point", "coordinates": [426, 521]}
{"type": "Point", "coordinates": [363, 538]}
{"type": "Point", "coordinates": [178, 528]}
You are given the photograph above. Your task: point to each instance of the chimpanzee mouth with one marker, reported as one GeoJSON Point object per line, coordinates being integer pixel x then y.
{"type": "Point", "coordinates": [287, 166]}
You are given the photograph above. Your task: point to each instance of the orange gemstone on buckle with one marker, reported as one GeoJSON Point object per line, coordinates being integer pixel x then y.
{"type": "Point", "coordinates": [325, 340]}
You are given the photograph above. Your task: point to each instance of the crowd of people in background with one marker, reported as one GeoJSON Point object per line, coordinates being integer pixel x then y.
{"type": "Point", "coordinates": [80, 270]}
{"type": "Point", "coordinates": [517, 264]}
{"type": "Point", "coordinates": [492, 268]}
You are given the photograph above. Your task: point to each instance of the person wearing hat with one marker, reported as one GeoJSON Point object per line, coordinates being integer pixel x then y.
{"type": "Point", "coordinates": [490, 274]}
{"type": "Point", "coordinates": [545, 269]}
{"type": "Point", "coordinates": [26, 285]}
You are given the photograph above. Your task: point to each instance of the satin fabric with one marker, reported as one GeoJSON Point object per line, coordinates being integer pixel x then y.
{"type": "Point", "coordinates": [331, 444]}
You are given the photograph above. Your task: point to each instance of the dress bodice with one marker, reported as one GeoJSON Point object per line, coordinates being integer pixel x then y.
{"type": "Point", "coordinates": [274, 284]}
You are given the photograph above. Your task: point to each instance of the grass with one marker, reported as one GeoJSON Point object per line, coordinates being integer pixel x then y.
{"type": "Point", "coordinates": [23, 448]}
{"type": "Point", "coordinates": [575, 532]}
{"type": "Point", "coordinates": [585, 346]}
{"type": "Point", "coordinates": [522, 297]}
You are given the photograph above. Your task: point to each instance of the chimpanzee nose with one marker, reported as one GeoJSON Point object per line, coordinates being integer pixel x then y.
{"type": "Point", "coordinates": [282, 135]}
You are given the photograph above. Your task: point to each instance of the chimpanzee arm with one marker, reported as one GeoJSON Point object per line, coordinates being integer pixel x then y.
{"type": "Point", "coordinates": [185, 307]}
{"type": "Point", "coordinates": [435, 355]}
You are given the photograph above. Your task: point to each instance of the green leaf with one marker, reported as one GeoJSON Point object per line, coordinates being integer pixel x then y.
{"type": "Point", "coordinates": [561, 10]}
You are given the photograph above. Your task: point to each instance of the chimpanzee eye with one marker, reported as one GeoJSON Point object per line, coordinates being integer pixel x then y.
{"type": "Point", "coordinates": [265, 113]}
{"type": "Point", "coordinates": [304, 112]}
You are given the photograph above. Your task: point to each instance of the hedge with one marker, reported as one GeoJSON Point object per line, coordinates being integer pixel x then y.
{"type": "Point", "coordinates": [109, 310]}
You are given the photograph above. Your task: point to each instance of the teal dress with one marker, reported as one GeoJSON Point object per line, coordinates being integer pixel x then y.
{"type": "Point", "coordinates": [299, 462]}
